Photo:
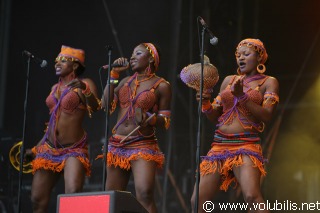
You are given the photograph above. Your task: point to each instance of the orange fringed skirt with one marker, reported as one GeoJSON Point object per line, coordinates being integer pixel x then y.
{"type": "Point", "coordinates": [227, 151]}
{"type": "Point", "coordinates": [133, 148]}
{"type": "Point", "coordinates": [50, 158]}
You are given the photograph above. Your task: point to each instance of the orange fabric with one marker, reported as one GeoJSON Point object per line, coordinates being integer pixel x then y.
{"type": "Point", "coordinates": [47, 164]}
{"type": "Point", "coordinates": [123, 162]}
{"type": "Point", "coordinates": [132, 149]}
{"type": "Point", "coordinates": [241, 112]}
{"type": "Point", "coordinates": [225, 167]}
{"type": "Point", "coordinates": [270, 98]}
{"type": "Point", "coordinates": [154, 53]}
{"type": "Point", "coordinates": [77, 54]}
{"type": "Point", "coordinates": [257, 45]}
{"type": "Point", "coordinates": [70, 103]}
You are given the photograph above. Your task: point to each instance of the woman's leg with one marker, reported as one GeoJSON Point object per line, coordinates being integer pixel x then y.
{"type": "Point", "coordinates": [144, 179]}
{"type": "Point", "coordinates": [74, 174]}
{"type": "Point", "coordinates": [117, 178]}
{"type": "Point", "coordinates": [208, 187]}
{"type": "Point", "coordinates": [42, 183]}
{"type": "Point", "coordinates": [248, 177]}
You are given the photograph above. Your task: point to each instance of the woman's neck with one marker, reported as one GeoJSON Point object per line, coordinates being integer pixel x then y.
{"type": "Point", "coordinates": [66, 79]}
{"type": "Point", "coordinates": [253, 77]}
{"type": "Point", "coordinates": [141, 76]}
{"type": "Point", "coordinates": [148, 70]}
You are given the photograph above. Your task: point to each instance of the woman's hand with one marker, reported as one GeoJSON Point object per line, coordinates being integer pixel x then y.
{"type": "Point", "coordinates": [144, 118]}
{"type": "Point", "coordinates": [205, 96]}
{"type": "Point", "coordinates": [123, 65]}
{"type": "Point", "coordinates": [237, 88]}
{"type": "Point", "coordinates": [149, 119]}
{"type": "Point", "coordinates": [28, 155]}
{"type": "Point", "coordinates": [76, 83]}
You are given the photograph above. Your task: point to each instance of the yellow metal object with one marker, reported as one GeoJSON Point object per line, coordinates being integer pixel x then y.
{"type": "Point", "coordinates": [14, 156]}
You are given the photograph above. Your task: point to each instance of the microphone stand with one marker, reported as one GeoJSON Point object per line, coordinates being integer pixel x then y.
{"type": "Point", "coordinates": [199, 124]}
{"type": "Point", "coordinates": [23, 136]}
{"type": "Point", "coordinates": [106, 101]}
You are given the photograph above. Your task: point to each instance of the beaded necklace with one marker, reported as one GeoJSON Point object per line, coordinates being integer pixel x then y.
{"type": "Point", "coordinates": [71, 76]}
{"type": "Point", "coordinates": [137, 83]}
{"type": "Point", "coordinates": [255, 77]}
{"type": "Point", "coordinates": [60, 88]}
{"type": "Point", "coordinates": [249, 79]}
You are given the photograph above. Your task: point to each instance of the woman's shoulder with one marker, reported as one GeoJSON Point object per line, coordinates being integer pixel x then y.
{"type": "Point", "coordinates": [272, 84]}
{"type": "Point", "coordinates": [162, 80]}
{"type": "Point", "coordinates": [271, 79]}
{"type": "Point", "coordinates": [229, 78]}
{"type": "Point", "coordinates": [125, 79]}
{"type": "Point", "coordinates": [88, 80]}
{"type": "Point", "coordinates": [54, 86]}
{"type": "Point", "coordinates": [226, 81]}
{"type": "Point", "coordinates": [162, 84]}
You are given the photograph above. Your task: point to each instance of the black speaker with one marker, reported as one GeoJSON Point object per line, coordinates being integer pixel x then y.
{"type": "Point", "coordinates": [99, 202]}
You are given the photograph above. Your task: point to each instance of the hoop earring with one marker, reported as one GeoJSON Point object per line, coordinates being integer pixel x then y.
{"type": "Point", "coordinates": [261, 68]}
{"type": "Point", "coordinates": [239, 72]}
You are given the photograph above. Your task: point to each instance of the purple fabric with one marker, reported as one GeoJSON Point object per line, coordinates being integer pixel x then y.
{"type": "Point", "coordinates": [64, 152]}
{"type": "Point", "coordinates": [61, 157]}
{"type": "Point", "coordinates": [52, 121]}
{"type": "Point", "coordinates": [128, 152]}
{"type": "Point", "coordinates": [227, 154]}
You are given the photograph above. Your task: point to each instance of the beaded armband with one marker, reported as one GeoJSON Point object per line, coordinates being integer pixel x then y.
{"type": "Point", "coordinates": [114, 74]}
{"type": "Point", "coordinates": [114, 81]}
{"type": "Point", "coordinates": [217, 103]}
{"type": "Point", "coordinates": [270, 99]}
{"type": "Point", "coordinates": [89, 108]}
{"type": "Point", "coordinates": [166, 114]}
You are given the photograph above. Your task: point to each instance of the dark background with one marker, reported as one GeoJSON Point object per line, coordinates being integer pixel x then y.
{"type": "Point", "coordinates": [289, 30]}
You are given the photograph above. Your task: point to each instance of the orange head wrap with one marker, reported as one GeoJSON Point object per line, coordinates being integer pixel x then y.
{"type": "Point", "coordinates": [257, 45]}
{"type": "Point", "coordinates": [72, 53]}
{"type": "Point", "coordinates": [154, 52]}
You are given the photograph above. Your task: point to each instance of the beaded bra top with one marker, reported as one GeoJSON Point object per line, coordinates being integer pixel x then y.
{"type": "Point", "coordinates": [232, 109]}
{"type": "Point", "coordinates": [146, 99]}
{"type": "Point", "coordinates": [69, 102]}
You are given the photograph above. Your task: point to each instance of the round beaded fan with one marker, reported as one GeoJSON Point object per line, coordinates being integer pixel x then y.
{"type": "Point", "coordinates": [191, 75]}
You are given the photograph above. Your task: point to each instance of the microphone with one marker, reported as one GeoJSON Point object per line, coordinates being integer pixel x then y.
{"type": "Point", "coordinates": [115, 65]}
{"type": "Point", "coordinates": [42, 63]}
{"type": "Point", "coordinates": [213, 39]}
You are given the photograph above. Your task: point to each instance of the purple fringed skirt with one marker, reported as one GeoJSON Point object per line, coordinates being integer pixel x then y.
{"type": "Point", "coordinates": [53, 158]}
{"type": "Point", "coordinates": [227, 151]}
{"type": "Point", "coordinates": [133, 148]}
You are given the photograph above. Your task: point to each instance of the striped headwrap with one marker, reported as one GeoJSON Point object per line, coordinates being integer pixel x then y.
{"type": "Point", "coordinates": [154, 53]}
{"type": "Point", "coordinates": [71, 53]}
{"type": "Point", "coordinates": [257, 45]}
